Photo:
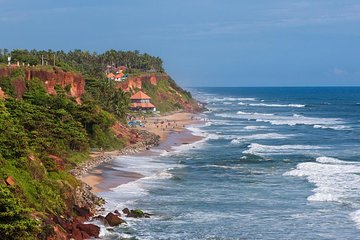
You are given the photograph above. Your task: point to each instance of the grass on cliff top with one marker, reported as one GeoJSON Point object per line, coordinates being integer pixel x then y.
{"type": "Point", "coordinates": [164, 96]}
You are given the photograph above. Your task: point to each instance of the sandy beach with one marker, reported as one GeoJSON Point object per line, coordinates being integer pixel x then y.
{"type": "Point", "coordinates": [172, 131]}
{"type": "Point", "coordinates": [165, 124]}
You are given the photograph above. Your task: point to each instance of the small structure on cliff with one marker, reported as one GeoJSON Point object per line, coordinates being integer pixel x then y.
{"type": "Point", "coordinates": [141, 101]}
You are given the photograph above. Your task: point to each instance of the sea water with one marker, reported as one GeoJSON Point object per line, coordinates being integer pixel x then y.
{"type": "Point", "coordinates": [274, 163]}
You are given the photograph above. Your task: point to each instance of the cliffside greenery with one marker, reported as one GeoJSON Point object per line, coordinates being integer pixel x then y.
{"type": "Point", "coordinates": [43, 136]}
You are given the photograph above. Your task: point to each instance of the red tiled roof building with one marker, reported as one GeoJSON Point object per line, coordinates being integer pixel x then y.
{"type": "Point", "coordinates": [141, 101]}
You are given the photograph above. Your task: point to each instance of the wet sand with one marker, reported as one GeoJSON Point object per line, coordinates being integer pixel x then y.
{"type": "Point", "coordinates": [107, 175]}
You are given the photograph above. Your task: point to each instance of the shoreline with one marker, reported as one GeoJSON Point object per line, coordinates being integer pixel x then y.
{"type": "Point", "coordinates": [99, 173]}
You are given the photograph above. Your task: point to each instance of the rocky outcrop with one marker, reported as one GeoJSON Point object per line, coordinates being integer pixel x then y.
{"type": "Point", "coordinates": [51, 78]}
{"type": "Point", "coordinates": [113, 220]}
{"type": "Point", "coordinates": [136, 82]}
{"type": "Point", "coordinates": [90, 229]}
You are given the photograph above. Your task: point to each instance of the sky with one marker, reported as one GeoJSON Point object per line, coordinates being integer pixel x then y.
{"type": "Point", "coordinates": [203, 42]}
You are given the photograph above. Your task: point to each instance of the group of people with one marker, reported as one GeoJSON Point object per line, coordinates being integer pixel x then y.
{"type": "Point", "coordinates": [165, 124]}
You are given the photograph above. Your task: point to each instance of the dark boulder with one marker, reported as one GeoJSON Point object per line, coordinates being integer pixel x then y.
{"type": "Point", "coordinates": [91, 229]}
{"type": "Point", "coordinates": [126, 211]}
{"type": "Point", "coordinates": [113, 220]}
{"type": "Point", "coordinates": [82, 211]}
{"type": "Point", "coordinates": [85, 235]}
{"type": "Point", "coordinates": [76, 234]}
{"type": "Point", "coordinates": [137, 213]}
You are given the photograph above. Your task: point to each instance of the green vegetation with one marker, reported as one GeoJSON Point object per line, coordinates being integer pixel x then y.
{"type": "Point", "coordinates": [43, 136]}
{"type": "Point", "coordinates": [90, 64]}
{"type": "Point", "coordinates": [15, 222]}
{"type": "Point", "coordinates": [167, 95]}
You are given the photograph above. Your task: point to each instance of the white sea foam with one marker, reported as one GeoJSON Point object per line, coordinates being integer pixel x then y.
{"type": "Point", "coordinates": [335, 180]}
{"type": "Point", "coordinates": [251, 128]}
{"type": "Point", "coordinates": [264, 150]}
{"type": "Point", "coordinates": [276, 105]}
{"type": "Point", "coordinates": [228, 99]}
{"type": "Point", "coordinates": [355, 216]}
{"type": "Point", "coordinates": [335, 127]}
{"type": "Point", "coordinates": [241, 139]}
{"type": "Point", "coordinates": [258, 114]}
{"type": "Point", "coordinates": [224, 167]}
{"type": "Point", "coordinates": [247, 99]}
{"type": "Point", "coordinates": [295, 119]}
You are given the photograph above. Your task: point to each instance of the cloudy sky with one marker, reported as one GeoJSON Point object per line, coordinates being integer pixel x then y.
{"type": "Point", "coordinates": [203, 42]}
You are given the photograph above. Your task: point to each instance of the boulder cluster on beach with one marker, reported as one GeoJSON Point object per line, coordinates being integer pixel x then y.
{"type": "Point", "coordinates": [113, 219]}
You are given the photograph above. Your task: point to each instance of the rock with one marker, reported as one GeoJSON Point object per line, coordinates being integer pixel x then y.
{"type": "Point", "coordinates": [61, 222]}
{"type": "Point", "coordinates": [113, 220]}
{"type": "Point", "coordinates": [58, 234]}
{"type": "Point", "coordinates": [76, 234]}
{"type": "Point", "coordinates": [85, 235]}
{"type": "Point", "coordinates": [137, 213]}
{"type": "Point", "coordinates": [99, 218]}
{"type": "Point", "coordinates": [126, 211]}
{"type": "Point", "coordinates": [10, 181]}
{"type": "Point", "coordinates": [82, 211]}
{"type": "Point", "coordinates": [91, 229]}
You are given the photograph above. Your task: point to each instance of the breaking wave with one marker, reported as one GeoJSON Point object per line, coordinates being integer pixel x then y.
{"type": "Point", "coordinates": [295, 119]}
{"type": "Point", "coordinates": [335, 180]}
{"type": "Point", "coordinates": [241, 139]}
{"type": "Point", "coordinates": [265, 150]}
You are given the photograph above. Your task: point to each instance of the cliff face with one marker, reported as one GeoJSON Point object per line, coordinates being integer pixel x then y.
{"type": "Point", "coordinates": [137, 82]}
{"type": "Point", "coordinates": [51, 78]}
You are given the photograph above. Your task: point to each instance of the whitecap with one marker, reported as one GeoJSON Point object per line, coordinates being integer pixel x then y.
{"type": "Point", "coordinates": [255, 127]}
{"type": "Point", "coordinates": [277, 105]}
{"type": "Point", "coordinates": [264, 150]}
{"type": "Point", "coordinates": [295, 119]}
{"type": "Point", "coordinates": [335, 180]}
{"type": "Point", "coordinates": [239, 140]}
{"type": "Point", "coordinates": [355, 216]}
{"type": "Point", "coordinates": [228, 99]}
{"type": "Point", "coordinates": [334, 127]}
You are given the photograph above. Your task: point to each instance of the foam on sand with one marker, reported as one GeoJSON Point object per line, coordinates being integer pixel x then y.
{"type": "Point", "coordinates": [335, 180]}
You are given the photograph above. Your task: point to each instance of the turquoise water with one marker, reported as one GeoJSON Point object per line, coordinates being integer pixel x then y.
{"type": "Point", "coordinates": [275, 163]}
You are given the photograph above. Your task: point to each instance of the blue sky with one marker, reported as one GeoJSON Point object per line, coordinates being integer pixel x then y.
{"type": "Point", "coordinates": [203, 42]}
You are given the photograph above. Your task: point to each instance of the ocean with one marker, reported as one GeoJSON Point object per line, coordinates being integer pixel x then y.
{"type": "Point", "coordinates": [274, 163]}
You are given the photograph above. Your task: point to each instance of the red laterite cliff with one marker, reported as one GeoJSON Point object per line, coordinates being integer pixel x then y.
{"type": "Point", "coordinates": [51, 78]}
{"type": "Point", "coordinates": [136, 82]}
